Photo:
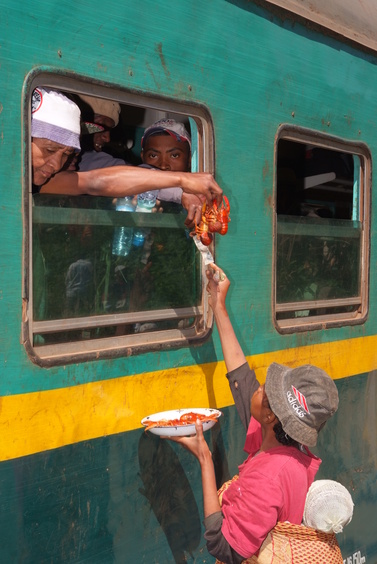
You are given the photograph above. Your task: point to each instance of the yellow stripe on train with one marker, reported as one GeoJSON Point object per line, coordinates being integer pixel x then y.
{"type": "Point", "coordinates": [39, 421]}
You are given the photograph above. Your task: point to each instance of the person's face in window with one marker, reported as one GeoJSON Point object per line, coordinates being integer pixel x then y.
{"type": "Point", "coordinates": [48, 157]}
{"type": "Point", "coordinates": [166, 153]}
{"type": "Point", "coordinates": [100, 139]}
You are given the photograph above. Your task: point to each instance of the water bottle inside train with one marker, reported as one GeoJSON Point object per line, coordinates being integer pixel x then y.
{"type": "Point", "coordinates": [145, 204]}
{"type": "Point", "coordinates": [122, 241]}
{"type": "Point", "coordinates": [146, 201]}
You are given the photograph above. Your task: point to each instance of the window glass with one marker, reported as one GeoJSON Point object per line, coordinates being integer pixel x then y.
{"type": "Point", "coordinates": [105, 275]}
{"type": "Point", "coordinates": [321, 269]}
{"type": "Point", "coordinates": [82, 271]}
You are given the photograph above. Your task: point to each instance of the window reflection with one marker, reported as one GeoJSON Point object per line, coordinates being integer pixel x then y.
{"type": "Point", "coordinates": [319, 234]}
{"type": "Point", "coordinates": [77, 275]}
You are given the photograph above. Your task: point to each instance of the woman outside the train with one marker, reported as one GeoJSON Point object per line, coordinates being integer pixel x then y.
{"type": "Point", "coordinates": [282, 418]}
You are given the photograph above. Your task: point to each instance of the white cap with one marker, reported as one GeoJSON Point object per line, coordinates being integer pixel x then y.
{"type": "Point", "coordinates": [328, 506]}
{"type": "Point", "coordinates": [174, 128]}
{"type": "Point", "coordinates": [55, 117]}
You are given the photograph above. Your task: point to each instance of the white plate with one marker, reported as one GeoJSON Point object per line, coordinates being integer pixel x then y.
{"type": "Point", "coordinates": [180, 430]}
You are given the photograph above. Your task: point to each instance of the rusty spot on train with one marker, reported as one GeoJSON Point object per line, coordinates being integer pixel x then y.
{"type": "Point", "coordinates": [162, 58]}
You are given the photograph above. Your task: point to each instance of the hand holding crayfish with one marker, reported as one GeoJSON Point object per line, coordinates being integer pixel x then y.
{"type": "Point", "coordinates": [214, 219]}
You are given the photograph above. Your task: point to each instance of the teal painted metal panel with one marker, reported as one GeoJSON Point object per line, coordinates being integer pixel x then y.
{"type": "Point", "coordinates": [251, 83]}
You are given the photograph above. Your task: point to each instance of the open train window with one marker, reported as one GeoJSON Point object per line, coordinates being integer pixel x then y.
{"type": "Point", "coordinates": [321, 231]}
{"type": "Point", "coordinates": [86, 297]}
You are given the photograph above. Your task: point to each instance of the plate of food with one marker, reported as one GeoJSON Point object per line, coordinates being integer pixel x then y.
{"type": "Point", "coordinates": [180, 422]}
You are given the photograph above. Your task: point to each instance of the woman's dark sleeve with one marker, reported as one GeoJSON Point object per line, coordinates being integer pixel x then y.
{"type": "Point", "coordinates": [243, 384]}
{"type": "Point", "coordinates": [217, 545]}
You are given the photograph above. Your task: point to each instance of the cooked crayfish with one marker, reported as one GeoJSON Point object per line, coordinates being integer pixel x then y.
{"type": "Point", "coordinates": [185, 419]}
{"type": "Point", "coordinates": [214, 220]}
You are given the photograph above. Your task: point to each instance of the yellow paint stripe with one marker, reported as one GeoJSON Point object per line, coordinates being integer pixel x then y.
{"type": "Point", "coordinates": [35, 422]}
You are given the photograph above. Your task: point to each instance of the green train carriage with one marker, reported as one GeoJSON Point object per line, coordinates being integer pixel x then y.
{"type": "Point", "coordinates": [280, 99]}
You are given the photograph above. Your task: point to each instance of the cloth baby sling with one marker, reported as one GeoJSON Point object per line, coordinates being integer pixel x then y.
{"type": "Point", "coordinates": [288, 543]}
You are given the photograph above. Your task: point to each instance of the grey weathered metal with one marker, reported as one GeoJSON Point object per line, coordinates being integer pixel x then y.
{"type": "Point", "coordinates": [353, 19]}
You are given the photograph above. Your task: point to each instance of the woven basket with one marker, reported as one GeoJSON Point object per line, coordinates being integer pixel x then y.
{"type": "Point", "coordinates": [287, 543]}
{"type": "Point", "coordinates": [300, 545]}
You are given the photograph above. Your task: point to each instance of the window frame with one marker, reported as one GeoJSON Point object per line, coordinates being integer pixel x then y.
{"type": "Point", "coordinates": [124, 345]}
{"type": "Point", "coordinates": [309, 323]}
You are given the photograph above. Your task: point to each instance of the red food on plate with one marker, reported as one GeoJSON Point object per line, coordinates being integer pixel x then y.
{"type": "Point", "coordinates": [180, 422]}
{"type": "Point", "coordinates": [185, 419]}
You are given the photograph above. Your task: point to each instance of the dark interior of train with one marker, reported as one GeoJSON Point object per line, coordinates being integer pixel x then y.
{"type": "Point", "coordinates": [314, 181]}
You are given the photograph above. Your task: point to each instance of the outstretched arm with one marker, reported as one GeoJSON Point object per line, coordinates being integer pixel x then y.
{"type": "Point", "coordinates": [242, 379]}
{"type": "Point", "coordinates": [217, 287]}
{"type": "Point", "coordinates": [121, 181]}
{"type": "Point", "coordinates": [199, 448]}
{"type": "Point", "coordinates": [217, 544]}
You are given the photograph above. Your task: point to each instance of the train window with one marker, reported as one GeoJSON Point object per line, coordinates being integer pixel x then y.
{"type": "Point", "coordinates": [105, 281]}
{"type": "Point", "coordinates": [322, 227]}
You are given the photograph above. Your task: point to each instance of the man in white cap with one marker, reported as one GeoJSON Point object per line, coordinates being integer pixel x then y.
{"type": "Point", "coordinates": [55, 132]}
{"type": "Point", "coordinates": [166, 144]}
